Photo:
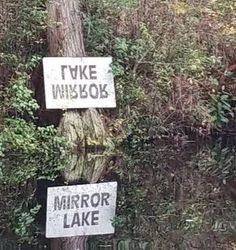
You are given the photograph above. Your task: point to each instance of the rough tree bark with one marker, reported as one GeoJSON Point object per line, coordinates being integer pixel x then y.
{"type": "Point", "coordinates": [82, 128]}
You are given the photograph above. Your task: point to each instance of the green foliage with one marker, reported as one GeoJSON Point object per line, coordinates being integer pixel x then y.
{"type": "Point", "coordinates": [126, 53]}
{"type": "Point", "coordinates": [119, 221]}
{"type": "Point", "coordinates": [40, 151]}
{"type": "Point", "coordinates": [18, 97]}
{"type": "Point", "coordinates": [222, 107]}
{"type": "Point", "coordinates": [159, 50]}
{"type": "Point", "coordinates": [21, 96]}
{"type": "Point", "coordinates": [18, 135]}
{"type": "Point", "coordinates": [199, 62]}
{"type": "Point", "coordinates": [98, 35]}
{"type": "Point", "coordinates": [121, 3]}
{"type": "Point", "coordinates": [155, 59]}
{"type": "Point", "coordinates": [142, 130]}
{"type": "Point", "coordinates": [24, 33]}
{"type": "Point", "coordinates": [224, 7]}
{"type": "Point", "coordinates": [24, 223]}
{"type": "Point", "coordinates": [27, 152]}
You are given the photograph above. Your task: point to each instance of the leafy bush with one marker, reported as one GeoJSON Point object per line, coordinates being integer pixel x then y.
{"type": "Point", "coordinates": [24, 223]}
{"type": "Point", "coordinates": [222, 107]}
{"type": "Point", "coordinates": [167, 58]}
{"type": "Point", "coordinates": [167, 67]}
{"type": "Point", "coordinates": [27, 152]}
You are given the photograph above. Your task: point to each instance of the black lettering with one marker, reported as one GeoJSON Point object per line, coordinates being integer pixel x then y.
{"type": "Point", "coordinates": [95, 199]}
{"type": "Point", "coordinates": [103, 92]}
{"type": "Point", "coordinates": [73, 72]}
{"type": "Point", "coordinates": [105, 197]}
{"type": "Point", "coordinates": [63, 67]}
{"type": "Point", "coordinates": [59, 203]}
{"type": "Point", "coordinates": [84, 200]}
{"type": "Point", "coordinates": [74, 201]}
{"type": "Point", "coordinates": [68, 202]}
{"type": "Point", "coordinates": [94, 220]}
{"type": "Point", "coordinates": [92, 73]}
{"type": "Point", "coordinates": [82, 90]}
{"type": "Point", "coordinates": [67, 91]}
{"type": "Point", "coordinates": [93, 91]}
{"type": "Point", "coordinates": [65, 225]}
{"type": "Point", "coordinates": [58, 91]}
{"type": "Point", "coordinates": [82, 70]}
{"type": "Point", "coordinates": [75, 220]}
{"type": "Point", "coordinates": [85, 218]}
{"type": "Point", "coordinates": [73, 93]}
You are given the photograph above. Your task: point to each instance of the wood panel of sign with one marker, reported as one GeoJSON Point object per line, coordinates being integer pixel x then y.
{"type": "Point", "coordinates": [78, 82]}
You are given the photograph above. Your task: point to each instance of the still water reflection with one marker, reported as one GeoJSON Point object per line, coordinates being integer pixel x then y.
{"type": "Point", "coordinates": [171, 196]}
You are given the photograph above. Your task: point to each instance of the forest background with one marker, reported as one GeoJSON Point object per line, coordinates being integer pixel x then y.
{"type": "Point", "coordinates": [174, 65]}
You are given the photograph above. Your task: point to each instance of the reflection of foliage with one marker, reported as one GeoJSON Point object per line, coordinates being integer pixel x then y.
{"type": "Point", "coordinates": [119, 221]}
{"type": "Point", "coordinates": [29, 153]}
{"type": "Point", "coordinates": [24, 223]}
{"type": "Point", "coordinates": [170, 61]}
{"type": "Point", "coordinates": [179, 204]}
{"type": "Point", "coordinates": [40, 151]}
{"type": "Point", "coordinates": [218, 161]}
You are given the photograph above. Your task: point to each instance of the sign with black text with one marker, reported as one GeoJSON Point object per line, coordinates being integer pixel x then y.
{"type": "Point", "coordinates": [78, 82]}
{"type": "Point", "coordinates": [81, 210]}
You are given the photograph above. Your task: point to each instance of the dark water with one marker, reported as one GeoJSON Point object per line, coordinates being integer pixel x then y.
{"type": "Point", "coordinates": [172, 195]}
{"type": "Point", "coordinates": [177, 195]}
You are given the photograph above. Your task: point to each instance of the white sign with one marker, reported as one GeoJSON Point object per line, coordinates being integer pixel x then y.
{"type": "Point", "coordinates": [81, 210]}
{"type": "Point", "coordinates": [78, 82]}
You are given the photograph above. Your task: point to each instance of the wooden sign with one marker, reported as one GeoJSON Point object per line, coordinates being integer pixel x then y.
{"type": "Point", "coordinates": [83, 82]}
{"type": "Point", "coordinates": [81, 210]}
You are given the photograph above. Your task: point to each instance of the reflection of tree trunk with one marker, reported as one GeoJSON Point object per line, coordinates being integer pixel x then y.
{"type": "Point", "coordinates": [83, 128]}
{"type": "Point", "coordinates": [135, 245]}
{"type": "Point", "coordinates": [72, 243]}
{"type": "Point", "coordinates": [89, 167]}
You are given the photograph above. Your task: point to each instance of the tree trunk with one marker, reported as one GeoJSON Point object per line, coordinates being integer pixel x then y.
{"type": "Point", "coordinates": [65, 37]}
{"type": "Point", "coordinates": [84, 128]}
